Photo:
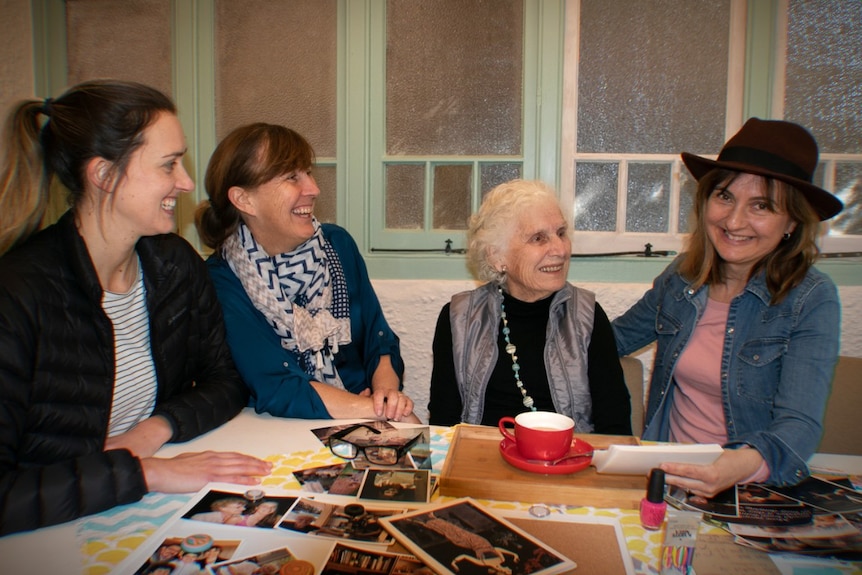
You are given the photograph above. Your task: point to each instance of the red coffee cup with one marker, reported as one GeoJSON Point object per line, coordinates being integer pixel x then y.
{"type": "Point", "coordinates": [539, 435]}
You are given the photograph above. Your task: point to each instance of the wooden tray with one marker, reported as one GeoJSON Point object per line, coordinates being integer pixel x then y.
{"type": "Point", "coordinates": [475, 468]}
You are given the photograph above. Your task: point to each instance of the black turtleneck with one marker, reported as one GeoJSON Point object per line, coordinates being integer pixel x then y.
{"type": "Point", "coordinates": [528, 325]}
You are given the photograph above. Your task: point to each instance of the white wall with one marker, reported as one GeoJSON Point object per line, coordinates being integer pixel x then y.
{"type": "Point", "coordinates": [412, 307]}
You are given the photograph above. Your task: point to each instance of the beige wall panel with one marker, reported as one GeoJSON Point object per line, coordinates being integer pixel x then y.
{"type": "Point", "coordinates": [16, 53]}
{"type": "Point", "coordinates": [276, 62]}
{"type": "Point", "coordinates": [127, 40]}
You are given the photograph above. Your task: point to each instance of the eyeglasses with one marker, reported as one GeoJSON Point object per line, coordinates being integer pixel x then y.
{"type": "Point", "coordinates": [376, 454]}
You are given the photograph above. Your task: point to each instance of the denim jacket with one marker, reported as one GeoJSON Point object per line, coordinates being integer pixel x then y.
{"type": "Point", "coordinates": [777, 362]}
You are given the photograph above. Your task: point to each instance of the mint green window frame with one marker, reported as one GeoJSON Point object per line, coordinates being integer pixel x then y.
{"type": "Point", "coordinates": [361, 79]}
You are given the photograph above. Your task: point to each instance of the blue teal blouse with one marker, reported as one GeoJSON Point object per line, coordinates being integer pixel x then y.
{"type": "Point", "coordinates": [278, 384]}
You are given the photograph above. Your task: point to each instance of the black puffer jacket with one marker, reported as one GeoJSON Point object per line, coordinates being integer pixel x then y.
{"type": "Point", "coordinates": [57, 373]}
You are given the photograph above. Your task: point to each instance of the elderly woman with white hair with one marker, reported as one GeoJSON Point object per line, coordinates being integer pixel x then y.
{"type": "Point", "coordinates": [526, 339]}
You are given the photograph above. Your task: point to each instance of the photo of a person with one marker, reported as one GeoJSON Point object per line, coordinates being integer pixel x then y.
{"type": "Point", "coordinates": [253, 509]}
{"type": "Point", "coordinates": [188, 555]}
{"type": "Point", "coordinates": [265, 514]}
{"type": "Point", "coordinates": [228, 511]}
{"type": "Point", "coordinates": [318, 479]}
{"type": "Point", "coordinates": [166, 552]}
{"type": "Point", "coordinates": [187, 564]}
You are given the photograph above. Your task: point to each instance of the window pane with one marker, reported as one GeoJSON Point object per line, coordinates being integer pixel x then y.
{"type": "Point", "coordinates": [405, 196]}
{"type": "Point", "coordinates": [687, 192]}
{"type": "Point", "coordinates": [452, 185]}
{"type": "Point", "coordinates": [648, 197]}
{"type": "Point", "coordinates": [327, 201]}
{"type": "Point", "coordinates": [495, 174]}
{"type": "Point", "coordinates": [848, 186]}
{"type": "Point", "coordinates": [277, 63]}
{"type": "Point", "coordinates": [453, 77]}
{"type": "Point", "coordinates": [652, 76]}
{"type": "Point", "coordinates": [824, 72]}
{"type": "Point", "coordinates": [120, 40]}
{"type": "Point", "coordinates": [596, 196]}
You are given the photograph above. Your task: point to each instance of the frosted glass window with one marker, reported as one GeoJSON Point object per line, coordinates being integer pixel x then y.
{"type": "Point", "coordinates": [405, 196]}
{"type": "Point", "coordinates": [648, 197]}
{"type": "Point", "coordinates": [495, 174]}
{"type": "Point", "coordinates": [453, 77]}
{"type": "Point", "coordinates": [848, 186]}
{"type": "Point", "coordinates": [325, 205]}
{"type": "Point", "coordinates": [452, 186]}
{"type": "Point", "coordinates": [276, 62]}
{"type": "Point", "coordinates": [823, 92]}
{"type": "Point", "coordinates": [596, 202]}
{"type": "Point", "coordinates": [128, 40]}
{"type": "Point", "coordinates": [687, 193]}
{"type": "Point", "coordinates": [652, 76]}
{"type": "Point", "coordinates": [823, 88]}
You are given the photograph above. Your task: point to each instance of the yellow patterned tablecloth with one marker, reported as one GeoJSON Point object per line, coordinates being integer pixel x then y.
{"type": "Point", "coordinates": [108, 538]}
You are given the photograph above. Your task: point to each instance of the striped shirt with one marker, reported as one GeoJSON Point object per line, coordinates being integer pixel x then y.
{"type": "Point", "coordinates": [135, 373]}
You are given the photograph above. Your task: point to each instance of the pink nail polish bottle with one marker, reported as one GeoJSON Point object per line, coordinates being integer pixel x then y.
{"type": "Point", "coordinates": [653, 506]}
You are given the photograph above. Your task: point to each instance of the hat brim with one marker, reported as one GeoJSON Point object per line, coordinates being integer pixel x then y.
{"type": "Point", "coordinates": [824, 204]}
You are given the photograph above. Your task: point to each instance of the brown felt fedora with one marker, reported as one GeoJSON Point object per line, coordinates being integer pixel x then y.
{"type": "Point", "coordinates": [774, 149]}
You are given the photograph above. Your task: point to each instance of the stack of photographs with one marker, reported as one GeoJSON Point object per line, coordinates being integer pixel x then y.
{"type": "Point", "coordinates": [822, 515]}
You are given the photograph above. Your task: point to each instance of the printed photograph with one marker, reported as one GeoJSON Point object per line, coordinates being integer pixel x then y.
{"type": "Point", "coordinates": [319, 479]}
{"type": "Point", "coordinates": [345, 559]}
{"type": "Point", "coordinates": [324, 433]}
{"type": "Point", "coordinates": [747, 505]}
{"type": "Point", "coordinates": [348, 482]}
{"type": "Point", "coordinates": [397, 485]}
{"type": "Point", "coordinates": [353, 521]}
{"type": "Point", "coordinates": [250, 509]}
{"type": "Point", "coordinates": [269, 563]}
{"type": "Point", "coordinates": [825, 495]}
{"type": "Point", "coordinates": [462, 537]}
{"type": "Point", "coordinates": [188, 555]}
{"type": "Point", "coordinates": [367, 446]}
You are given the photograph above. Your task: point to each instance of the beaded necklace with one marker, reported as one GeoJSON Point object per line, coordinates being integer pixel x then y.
{"type": "Point", "coordinates": [512, 350]}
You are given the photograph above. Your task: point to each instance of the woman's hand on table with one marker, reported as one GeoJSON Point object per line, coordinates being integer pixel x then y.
{"type": "Point", "coordinates": [392, 405]}
{"type": "Point", "coordinates": [732, 466]}
{"type": "Point", "coordinates": [191, 471]}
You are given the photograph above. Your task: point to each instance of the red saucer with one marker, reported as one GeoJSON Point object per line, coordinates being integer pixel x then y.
{"type": "Point", "coordinates": [509, 451]}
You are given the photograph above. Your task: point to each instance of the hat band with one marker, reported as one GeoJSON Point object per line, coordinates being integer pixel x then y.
{"type": "Point", "coordinates": [764, 160]}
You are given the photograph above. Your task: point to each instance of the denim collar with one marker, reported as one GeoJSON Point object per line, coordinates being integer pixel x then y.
{"type": "Point", "coordinates": [756, 285]}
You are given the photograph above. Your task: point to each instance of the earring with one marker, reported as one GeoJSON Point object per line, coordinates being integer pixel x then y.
{"type": "Point", "coordinates": [786, 236]}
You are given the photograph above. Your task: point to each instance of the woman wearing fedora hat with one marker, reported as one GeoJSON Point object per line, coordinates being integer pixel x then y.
{"type": "Point", "coordinates": [746, 329]}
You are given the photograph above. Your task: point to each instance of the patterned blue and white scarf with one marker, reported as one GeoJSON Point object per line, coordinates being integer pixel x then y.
{"type": "Point", "coordinates": [302, 294]}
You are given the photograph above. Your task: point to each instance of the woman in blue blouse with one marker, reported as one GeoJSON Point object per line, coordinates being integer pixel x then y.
{"type": "Point", "coordinates": [303, 322]}
{"type": "Point", "coordinates": [747, 330]}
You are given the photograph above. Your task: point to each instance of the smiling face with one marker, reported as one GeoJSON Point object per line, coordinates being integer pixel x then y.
{"type": "Point", "coordinates": [744, 224]}
{"type": "Point", "coordinates": [266, 508]}
{"type": "Point", "coordinates": [537, 256]}
{"type": "Point", "coordinates": [279, 212]}
{"type": "Point", "coordinates": [145, 199]}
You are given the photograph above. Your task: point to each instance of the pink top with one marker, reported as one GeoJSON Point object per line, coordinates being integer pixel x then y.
{"type": "Point", "coordinates": [697, 413]}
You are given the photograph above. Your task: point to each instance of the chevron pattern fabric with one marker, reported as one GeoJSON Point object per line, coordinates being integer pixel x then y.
{"type": "Point", "coordinates": [302, 294]}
